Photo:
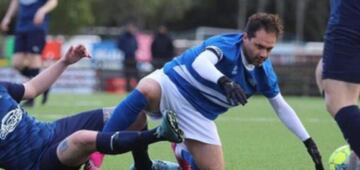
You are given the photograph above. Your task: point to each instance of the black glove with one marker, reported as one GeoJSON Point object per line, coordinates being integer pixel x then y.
{"type": "Point", "coordinates": [234, 93]}
{"type": "Point", "coordinates": [314, 153]}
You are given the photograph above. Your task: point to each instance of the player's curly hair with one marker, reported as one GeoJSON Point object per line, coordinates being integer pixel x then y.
{"type": "Point", "coordinates": [271, 23]}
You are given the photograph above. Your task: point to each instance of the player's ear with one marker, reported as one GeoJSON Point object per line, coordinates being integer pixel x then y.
{"type": "Point", "coordinates": [245, 36]}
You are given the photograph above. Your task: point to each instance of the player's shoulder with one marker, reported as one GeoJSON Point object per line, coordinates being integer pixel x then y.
{"type": "Point", "coordinates": [13, 89]}
{"type": "Point", "coordinates": [229, 38]}
{"type": "Point", "coordinates": [267, 65]}
{"type": "Point", "coordinates": [228, 44]}
{"type": "Point", "coordinates": [6, 85]}
{"type": "Point", "coordinates": [10, 85]}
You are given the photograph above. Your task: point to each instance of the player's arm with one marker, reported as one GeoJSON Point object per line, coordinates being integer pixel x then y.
{"type": "Point", "coordinates": [46, 78]}
{"type": "Point", "coordinates": [13, 6]}
{"type": "Point", "coordinates": [288, 117]}
{"type": "Point", "coordinates": [204, 65]}
{"type": "Point", "coordinates": [43, 10]}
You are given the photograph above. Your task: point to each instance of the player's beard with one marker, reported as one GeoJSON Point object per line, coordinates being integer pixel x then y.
{"type": "Point", "coordinates": [258, 61]}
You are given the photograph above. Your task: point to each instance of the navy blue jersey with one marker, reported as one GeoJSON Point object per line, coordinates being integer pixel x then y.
{"type": "Point", "coordinates": [22, 138]}
{"type": "Point", "coordinates": [26, 12]}
{"type": "Point", "coordinates": [207, 97]}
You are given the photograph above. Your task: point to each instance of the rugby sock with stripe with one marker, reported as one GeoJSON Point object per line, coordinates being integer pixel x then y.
{"type": "Point", "coordinates": [126, 112]}
{"type": "Point", "coordinates": [141, 156]}
{"type": "Point", "coordinates": [124, 141]}
{"type": "Point", "coordinates": [348, 119]}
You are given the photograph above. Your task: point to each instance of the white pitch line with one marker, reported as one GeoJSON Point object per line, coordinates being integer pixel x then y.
{"type": "Point", "coordinates": [53, 116]}
{"type": "Point", "coordinates": [264, 119]}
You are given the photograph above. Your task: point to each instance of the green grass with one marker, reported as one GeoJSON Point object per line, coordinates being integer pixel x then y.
{"type": "Point", "coordinates": [253, 137]}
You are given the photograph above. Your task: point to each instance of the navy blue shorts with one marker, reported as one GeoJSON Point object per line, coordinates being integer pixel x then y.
{"type": "Point", "coordinates": [90, 120]}
{"type": "Point", "coordinates": [30, 42]}
{"type": "Point", "coordinates": [342, 54]}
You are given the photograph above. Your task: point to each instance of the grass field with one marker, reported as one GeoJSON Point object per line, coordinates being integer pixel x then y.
{"type": "Point", "coordinates": [253, 137]}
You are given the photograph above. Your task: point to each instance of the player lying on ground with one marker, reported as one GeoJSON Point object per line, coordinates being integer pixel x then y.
{"type": "Point", "coordinates": [27, 143]}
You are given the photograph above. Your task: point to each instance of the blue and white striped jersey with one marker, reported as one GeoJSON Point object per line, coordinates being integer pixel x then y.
{"type": "Point", "coordinates": [207, 97]}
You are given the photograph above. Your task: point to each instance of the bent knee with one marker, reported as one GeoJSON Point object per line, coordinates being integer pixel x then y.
{"type": "Point", "coordinates": [148, 87]}
{"type": "Point", "coordinates": [83, 138]}
{"type": "Point", "coordinates": [152, 91]}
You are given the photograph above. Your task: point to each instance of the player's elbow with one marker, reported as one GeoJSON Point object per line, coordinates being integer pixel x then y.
{"type": "Point", "coordinates": [30, 91]}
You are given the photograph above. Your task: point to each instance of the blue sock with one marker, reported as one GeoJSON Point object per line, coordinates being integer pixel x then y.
{"type": "Point", "coordinates": [126, 112]}
{"type": "Point", "coordinates": [188, 158]}
{"type": "Point", "coordinates": [348, 119]}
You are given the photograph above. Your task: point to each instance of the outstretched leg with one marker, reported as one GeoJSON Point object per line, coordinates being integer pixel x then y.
{"type": "Point", "coordinates": [75, 149]}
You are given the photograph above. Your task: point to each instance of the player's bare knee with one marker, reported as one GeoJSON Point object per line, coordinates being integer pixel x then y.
{"type": "Point", "coordinates": [151, 90]}
{"type": "Point", "coordinates": [18, 61]}
{"type": "Point", "coordinates": [330, 109]}
{"type": "Point", "coordinates": [18, 66]}
{"type": "Point", "coordinates": [148, 87]}
{"type": "Point", "coordinates": [83, 139]}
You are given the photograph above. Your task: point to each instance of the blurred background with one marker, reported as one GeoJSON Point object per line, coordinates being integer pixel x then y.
{"type": "Point", "coordinates": [102, 80]}
{"type": "Point", "coordinates": [97, 24]}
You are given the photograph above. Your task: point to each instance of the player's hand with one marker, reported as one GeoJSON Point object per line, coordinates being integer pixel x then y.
{"type": "Point", "coordinates": [74, 54]}
{"type": "Point", "coordinates": [39, 17]}
{"type": "Point", "coordinates": [314, 153]}
{"type": "Point", "coordinates": [5, 24]}
{"type": "Point", "coordinates": [234, 93]}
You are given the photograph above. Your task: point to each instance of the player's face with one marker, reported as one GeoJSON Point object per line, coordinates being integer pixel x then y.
{"type": "Point", "coordinates": [258, 48]}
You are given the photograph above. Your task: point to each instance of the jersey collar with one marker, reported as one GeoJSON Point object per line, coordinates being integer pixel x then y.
{"type": "Point", "coordinates": [249, 67]}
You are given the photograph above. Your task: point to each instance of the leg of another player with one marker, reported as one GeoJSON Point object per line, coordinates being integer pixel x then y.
{"type": "Point", "coordinates": [141, 158]}
{"type": "Point", "coordinates": [342, 102]}
{"type": "Point", "coordinates": [339, 94]}
{"type": "Point", "coordinates": [75, 149]}
{"type": "Point", "coordinates": [146, 96]}
{"type": "Point", "coordinates": [318, 77]}
{"type": "Point", "coordinates": [214, 159]}
{"type": "Point", "coordinates": [18, 61]}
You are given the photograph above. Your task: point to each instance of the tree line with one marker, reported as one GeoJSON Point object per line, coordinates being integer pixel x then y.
{"type": "Point", "coordinates": [304, 20]}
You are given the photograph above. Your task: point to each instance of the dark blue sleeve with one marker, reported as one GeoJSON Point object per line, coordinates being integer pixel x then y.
{"type": "Point", "coordinates": [16, 91]}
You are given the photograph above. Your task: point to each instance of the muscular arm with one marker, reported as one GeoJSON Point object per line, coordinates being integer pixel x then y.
{"type": "Point", "coordinates": [288, 117]}
{"type": "Point", "coordinates": [46, 78]}
{"type": "Point", "coordinates": [9, 14]}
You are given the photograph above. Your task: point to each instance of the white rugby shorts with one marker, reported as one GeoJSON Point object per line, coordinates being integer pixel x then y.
{"type": "Point", "coordinates": [193, 123]}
